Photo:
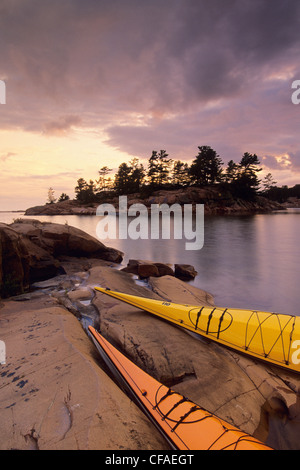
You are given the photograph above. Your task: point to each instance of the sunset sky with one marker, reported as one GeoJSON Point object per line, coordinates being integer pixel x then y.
{"type": "Point", "coordinates": [91, 83]}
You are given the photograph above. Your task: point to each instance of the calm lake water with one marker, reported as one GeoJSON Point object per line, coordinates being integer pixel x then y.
{"type": "Point", "coordinates": [246, 261]}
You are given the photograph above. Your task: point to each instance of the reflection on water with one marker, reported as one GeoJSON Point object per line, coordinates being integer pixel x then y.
{"type": "Point", "coordinates": [246, 262]}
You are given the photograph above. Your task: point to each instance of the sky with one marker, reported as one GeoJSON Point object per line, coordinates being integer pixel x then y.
{"type": "Point", "coordinates": [93, 83]}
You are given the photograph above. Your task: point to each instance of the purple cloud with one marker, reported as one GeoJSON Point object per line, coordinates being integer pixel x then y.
{"type": "Point", "coordinates": [197, 73]}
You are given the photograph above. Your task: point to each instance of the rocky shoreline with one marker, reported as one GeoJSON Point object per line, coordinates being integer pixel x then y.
{"type": "Point", "coordinates": [33, 251]}
{"type": "Point", "coordinates": [57, 394]}
{"type": "Point", "coordinates": [215, 203]}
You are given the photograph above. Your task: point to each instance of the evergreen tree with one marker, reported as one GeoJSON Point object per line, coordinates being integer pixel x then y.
{"type": "Point", "coordinates": [158, 168]}
{"type": "Point", "coordinates": [180, 173]}
{"type": "Point", "coordinates": [207, 167]}
{"type": "Point", "coordinates": [85, 192]}
{"type": "Point", "coordinates": [63, 197]}
{"type": "Point", "coordinates": [137, 175]}
{"type": "Point", "coordinates": [268, 182]}
{"type": "Point", "coordinates": [80, 189]}
{"type": "Point", "coordinates": [231, 173]}
{"type": "Point", "coordinates": [122, 179]}
{"type": "Point", "coordinates": [103, 182]}
{"type": "Point", "coordinates": [129, 178]}
{"type": "Point", "coordinates": [247, 183]}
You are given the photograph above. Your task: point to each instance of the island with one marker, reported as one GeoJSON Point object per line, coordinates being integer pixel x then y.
{"type": "Point", "coordinates": [216, 202]}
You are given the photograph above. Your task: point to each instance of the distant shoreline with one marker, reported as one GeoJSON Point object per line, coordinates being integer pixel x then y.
{"type": "Point", "coordinates": [215, 203]}
{"type": "Point", "coordinates": [14, 211]}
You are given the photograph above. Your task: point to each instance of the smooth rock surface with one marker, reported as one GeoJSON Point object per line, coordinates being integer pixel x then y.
{"type": "Point", "coordinates": [54, 395]}
{"type": "Point", "coordinates": [57, 394]}
{"type": "Point", "coordinates": [59, 239]}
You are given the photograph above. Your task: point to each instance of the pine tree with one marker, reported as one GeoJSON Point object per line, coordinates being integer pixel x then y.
{"type": "Point", "coordinates": [129, 178]}
{"type": "Point", "coordinates": [207, 167]}
{"type": "Point", "coordinates": [247, 183]}
{"type": "Point", "coordinates": [122, 178]}
{"type": "Point", "coordinates": [180, 173]}
{"type": "Point", "coordinates": [63, 197]}
{"type": "Point", "coordinates": [103, 181]}
{"type": "Point", "coordinates": [231, 173]}
{"type": "Point", "coordinates": [159, 167]}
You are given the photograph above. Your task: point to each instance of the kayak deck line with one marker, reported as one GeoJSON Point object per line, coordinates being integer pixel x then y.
{"type": "Point", "coordinates": [262, 335]}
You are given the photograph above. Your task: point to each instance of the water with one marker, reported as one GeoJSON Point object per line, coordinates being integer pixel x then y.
{"type": "Point", "coordinates": [246, 262]}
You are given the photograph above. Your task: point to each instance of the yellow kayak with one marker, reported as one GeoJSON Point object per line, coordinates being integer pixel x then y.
{"type": "Point", "coordinates": [185, 425]}
{"type": "Point", "coordinates": [272, 337]}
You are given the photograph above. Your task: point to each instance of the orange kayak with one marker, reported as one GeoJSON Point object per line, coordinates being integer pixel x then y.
{"type": "Point", "coordinates": [185, 425]}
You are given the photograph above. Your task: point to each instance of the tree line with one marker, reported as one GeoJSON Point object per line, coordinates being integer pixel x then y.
{"type": "Point", "coordinates": [240, 179]}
